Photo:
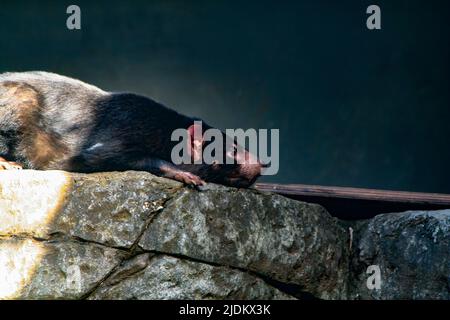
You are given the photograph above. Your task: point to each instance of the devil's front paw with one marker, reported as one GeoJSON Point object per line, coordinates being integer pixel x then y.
{"type": "Point", "coordinates": [9, 165]}
{"type": "Point", "coordinates": [189, 178]}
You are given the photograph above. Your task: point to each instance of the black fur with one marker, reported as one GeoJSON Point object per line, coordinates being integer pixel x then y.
{"type": "Point", "coordinates": [48, 121]}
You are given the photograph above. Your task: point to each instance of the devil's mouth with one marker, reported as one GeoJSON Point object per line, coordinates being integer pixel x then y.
{"type": "Point", "coordinates": [241, 182]}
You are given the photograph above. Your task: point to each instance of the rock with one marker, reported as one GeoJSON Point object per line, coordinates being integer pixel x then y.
{"type": "Point", "coordinates": [32, 269]}
{"type": "Point", "coordinates": [131, 235]}
{"type": "Point", "coordinates": [111, 209]}
{"type": "Point", "coordinates": [286, 240]}
{"type": "Point", "coordinates": [412, 252]}
{"type": "Point", "coordinates": [163, 277]}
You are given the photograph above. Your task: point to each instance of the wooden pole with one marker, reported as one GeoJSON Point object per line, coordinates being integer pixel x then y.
{"type": "Point", "coordinates": [359, 203]}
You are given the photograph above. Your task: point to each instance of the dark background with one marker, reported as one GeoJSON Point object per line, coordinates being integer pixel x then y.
{"type": "Point", "coordinates": [354, 107]}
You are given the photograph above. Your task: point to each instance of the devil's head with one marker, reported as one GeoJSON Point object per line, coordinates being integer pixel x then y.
{"type": "Point", "coordinates": [218, 158]}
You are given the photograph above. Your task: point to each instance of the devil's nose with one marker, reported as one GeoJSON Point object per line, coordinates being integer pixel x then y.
{"type": "Point", "coordinates": [254, 170]}
{"type": "Point", "coordinates": [258, 168]}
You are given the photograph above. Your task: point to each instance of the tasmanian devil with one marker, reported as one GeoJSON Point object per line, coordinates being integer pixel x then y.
{"type": "Point", "coordinates": [48, 121]}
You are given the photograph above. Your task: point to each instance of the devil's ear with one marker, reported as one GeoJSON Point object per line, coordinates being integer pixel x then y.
{"type": "Point", "coordinates": [195, 134]}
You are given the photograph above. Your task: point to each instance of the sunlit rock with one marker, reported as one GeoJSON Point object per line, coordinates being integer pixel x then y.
{"type": "Point", "coordinates": [32, 269]}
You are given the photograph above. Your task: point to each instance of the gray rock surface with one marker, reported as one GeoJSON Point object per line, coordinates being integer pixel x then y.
{"type": "Point", "coordinates": [164, 277]}
{"type": "Point", "coordinates": [132, 235]}
{"type": "Point", "coordinates": [65, 269]}
{"type": "Point", "coordinates": [109, 208]}
{"type": "Point", "coordinates": [412, 250]}
{"type": "Point", "coordinates": [289, 241]}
